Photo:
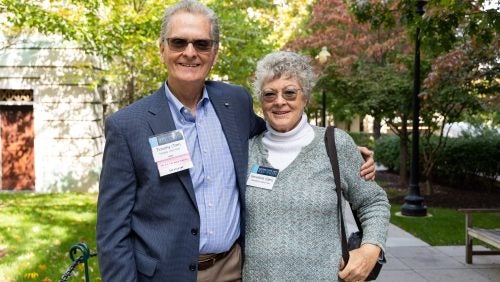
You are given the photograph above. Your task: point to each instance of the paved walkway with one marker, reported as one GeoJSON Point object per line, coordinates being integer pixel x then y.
{"type": "Point", "coordinates": [410, 259]}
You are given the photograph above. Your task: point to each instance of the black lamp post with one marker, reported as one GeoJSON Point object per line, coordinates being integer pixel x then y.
{"type": "Point", "coordinates": [413, 205]}
{"type": "Point", "coordinates": [323, 108]}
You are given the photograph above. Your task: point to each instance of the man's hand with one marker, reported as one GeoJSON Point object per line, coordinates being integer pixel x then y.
{"type": "Point", "coordinates": [368, 168]}
{"type": "Point", "coordinates": [361, 262]}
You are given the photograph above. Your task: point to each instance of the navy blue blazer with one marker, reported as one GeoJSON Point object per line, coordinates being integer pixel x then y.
{"type": "Point", "coordinates": [147, 225]}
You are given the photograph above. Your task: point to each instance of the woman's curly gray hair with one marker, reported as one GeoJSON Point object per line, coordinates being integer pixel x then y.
{"type": "Point", "coordinates": [287, 65]}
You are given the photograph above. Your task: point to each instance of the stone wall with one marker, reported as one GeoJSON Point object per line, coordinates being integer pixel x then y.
{"type": "Point", "coordinates": [67, 107]}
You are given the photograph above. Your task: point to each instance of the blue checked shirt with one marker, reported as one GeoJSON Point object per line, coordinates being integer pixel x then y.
{"type": "Point", "coordinates": [213, 175]}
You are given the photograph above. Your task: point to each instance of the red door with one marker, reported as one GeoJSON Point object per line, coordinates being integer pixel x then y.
{"type": "Point", "coordinates": [18, 160]}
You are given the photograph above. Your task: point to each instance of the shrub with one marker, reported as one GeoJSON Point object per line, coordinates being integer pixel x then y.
{"type": "Point", "coordinates": [465, 158]}
{"type": "Point", "coordinates": [465, 161]}
{"type": "Point", "coordinates": [387, 151]}
{"type": "Point", "coordinates": [363, 139]}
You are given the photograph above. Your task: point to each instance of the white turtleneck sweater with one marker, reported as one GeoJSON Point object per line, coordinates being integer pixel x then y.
{"type": "Point", "coordinates": [283, 147]}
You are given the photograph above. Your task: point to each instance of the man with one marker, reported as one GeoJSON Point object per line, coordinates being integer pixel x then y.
{"type": "Point", "coordinates": [174, 166]}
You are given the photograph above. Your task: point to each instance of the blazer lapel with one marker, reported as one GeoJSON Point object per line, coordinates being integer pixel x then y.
{"type": "Point", "coordinates": [161, 121]}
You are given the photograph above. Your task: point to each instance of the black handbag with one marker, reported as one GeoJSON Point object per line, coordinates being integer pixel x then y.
{"type": "Point", "coordinates": [355, 238]}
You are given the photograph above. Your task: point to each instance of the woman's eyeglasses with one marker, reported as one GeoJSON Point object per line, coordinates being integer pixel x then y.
{"type": "Point", "coordinates": [289, 94]}
{"type": "Point", "coordinates": [180, 44]}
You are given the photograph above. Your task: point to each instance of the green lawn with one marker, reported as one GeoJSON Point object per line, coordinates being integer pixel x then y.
{"type": "Point", "coordinates": [443, 226]}
{"type": "Point", "coordinates": [37, 231]}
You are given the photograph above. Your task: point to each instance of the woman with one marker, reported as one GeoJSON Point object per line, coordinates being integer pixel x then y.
{"type": "Point", "coordinates": [292, 226]}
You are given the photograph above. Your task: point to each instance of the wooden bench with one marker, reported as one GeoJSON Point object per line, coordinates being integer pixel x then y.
{"type": "Point", "coordinates": [489, 236]}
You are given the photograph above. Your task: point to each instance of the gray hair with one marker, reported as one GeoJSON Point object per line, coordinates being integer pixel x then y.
{"type": "Point", "coordinates": [192, 7]}
{"type": "Point", "coordinates": [284, 64]}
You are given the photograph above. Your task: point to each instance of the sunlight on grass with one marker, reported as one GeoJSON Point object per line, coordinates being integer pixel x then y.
{"type": "Point", "coordinates": [37, 231]}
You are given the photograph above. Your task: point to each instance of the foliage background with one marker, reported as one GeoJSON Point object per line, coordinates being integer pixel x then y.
{"type": "Point", "coordinates": [124, 34]}
{"type": "Point", "coordinates": [467, 162]}
{"type": "Point", "coordinates": [370, 72]}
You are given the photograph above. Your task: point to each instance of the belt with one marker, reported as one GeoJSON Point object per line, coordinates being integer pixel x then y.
{"type": "Point", "coordinates": [209, 260]}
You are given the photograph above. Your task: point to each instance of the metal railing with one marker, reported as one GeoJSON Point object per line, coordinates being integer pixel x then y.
{"type": "Point", "coordinates": [86, 254]}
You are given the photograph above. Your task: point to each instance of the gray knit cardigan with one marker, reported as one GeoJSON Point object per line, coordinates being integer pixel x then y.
{"type": "Point", "coordinates": [292, 231]}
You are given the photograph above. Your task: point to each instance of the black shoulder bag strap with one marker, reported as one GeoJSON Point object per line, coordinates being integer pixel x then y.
{"type": "Point", "coordinates": [332, 154]}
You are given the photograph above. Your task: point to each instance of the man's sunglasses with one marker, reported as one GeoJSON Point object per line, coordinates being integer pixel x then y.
{"type": "Point", "coordinates": [180, 44]}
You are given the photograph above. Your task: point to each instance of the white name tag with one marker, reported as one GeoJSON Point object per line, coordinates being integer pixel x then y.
{"type": "Point", "coordinates": [170, 152]}
{"type": "Point", "coordinates": [262, 177]}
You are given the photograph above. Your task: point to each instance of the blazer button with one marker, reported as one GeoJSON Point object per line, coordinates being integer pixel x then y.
{"type": "Point", "coordinates": [192, 267]}
{"type": "Point", "coordinates": [194, 231]}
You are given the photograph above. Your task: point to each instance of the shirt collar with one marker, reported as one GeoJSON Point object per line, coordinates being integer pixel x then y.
{"type": "Point", "coordinates": [179, 106]}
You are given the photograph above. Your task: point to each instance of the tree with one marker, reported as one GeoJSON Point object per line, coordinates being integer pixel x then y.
{"type": "Point", "coordinates": [121, 33]}
{"type": "Point", "coordinates": [370, 70]}
{"type": "Point", "coordinates": [455, 87]}
{"type": "Point", "coordinates": [461, 38]}
{"type": "Point", "coordinates": [124, 33]}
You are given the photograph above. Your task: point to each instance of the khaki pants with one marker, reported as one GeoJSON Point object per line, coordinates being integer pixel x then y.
{"type": "Point", "coordinates": [227, 269]}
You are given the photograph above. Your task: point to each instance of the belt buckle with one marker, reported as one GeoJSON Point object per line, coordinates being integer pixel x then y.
{"type": "Point", "coordinates": [207, 263]}
{"type": "Point", "coordinates": [212, 260]}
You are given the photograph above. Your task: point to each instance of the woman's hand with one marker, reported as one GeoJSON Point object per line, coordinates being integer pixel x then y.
{"type": "Point", "coordinates": [361, 262]}
{"type": "Point", "coordinates": [368, 168]}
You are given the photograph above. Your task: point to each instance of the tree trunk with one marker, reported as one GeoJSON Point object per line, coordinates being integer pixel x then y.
{"type": "Point", "coordinates": [428, 190]}
{"type": "Point", "coordinates": [428, 167]}
{"type": "Point", "coordinates": [403, 154]}
{"type": "Point", "coordinates": [131, 90]}
{"type": "Point", "coordinates": [376, 128]}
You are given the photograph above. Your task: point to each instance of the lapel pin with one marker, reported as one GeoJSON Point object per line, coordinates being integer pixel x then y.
{"type": "Point", "coordinates": [226, 104]}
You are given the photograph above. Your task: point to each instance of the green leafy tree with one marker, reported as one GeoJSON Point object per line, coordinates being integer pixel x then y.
{"type": "Point", "coordinates": [455, 87]}
{"type": "Point", "coordinates": [461, 40]}
{"type": "Point", "coordinates": [124, 34]}
{"type": "Point", "coordinates": [369, 72]}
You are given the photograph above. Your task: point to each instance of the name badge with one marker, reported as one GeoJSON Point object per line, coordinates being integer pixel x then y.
{"type": "Point", "coordinates": [262, 177]}
{"type": "Point", "coordinates": [170, 152]}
